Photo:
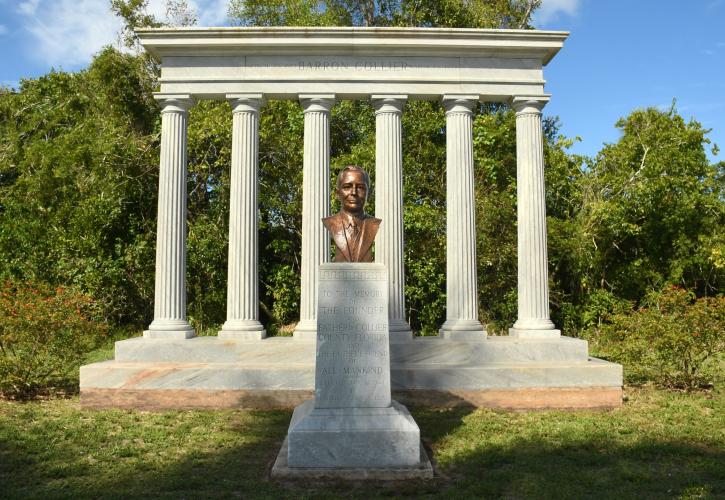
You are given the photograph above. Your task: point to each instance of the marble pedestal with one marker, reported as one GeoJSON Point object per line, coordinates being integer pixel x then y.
{"type": "Point", "coordinates": [352, 423]}
{"type": "Point", "coordinates": [353, 437]}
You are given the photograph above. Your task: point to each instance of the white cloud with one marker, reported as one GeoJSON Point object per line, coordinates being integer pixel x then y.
{"type": "Point", "coordinates": [28, 7]}
{"type": "Point", "coordinates": [212, 12]}
{"type": "Point", "coordinates": [68, 32]}
{"type": "Point", "coordinates": [551, 10]}
{"type": "Point", "coordinates": [3, 29]}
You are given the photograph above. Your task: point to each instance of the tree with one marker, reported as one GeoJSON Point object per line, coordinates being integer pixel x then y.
{"type": "Point", "coordinates": [654, 208]}
{"type": "Point", "coordinates": [79, 193]}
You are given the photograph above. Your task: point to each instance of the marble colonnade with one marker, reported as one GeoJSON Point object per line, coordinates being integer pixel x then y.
{"type": "Point", "coordinates": [242, 297]}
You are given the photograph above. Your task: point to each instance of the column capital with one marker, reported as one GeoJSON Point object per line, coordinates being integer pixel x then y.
{"type": "Point", "coordinates": [249, 103]}
{"type": "Point", "coordinates": [179, 103]}
{"type": "Point", "coordinates": [317, 102]}
{"type": "Point", "coordinates": [459, 103]}
{"type": "Point", "coordinates": [388, 103]}
{"type": "Point", "coordinates": [529, 104]}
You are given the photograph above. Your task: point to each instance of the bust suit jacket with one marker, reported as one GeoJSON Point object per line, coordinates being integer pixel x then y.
{"type": "Point", "coordinates": [363, 252]}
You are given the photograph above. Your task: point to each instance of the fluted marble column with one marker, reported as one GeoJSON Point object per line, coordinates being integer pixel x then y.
{"type": "Point", "coordinates": [242, 286]}
{"type": "Point", "coordinates": [315, 206]}
{"type": "Point", "coordinates": [170, 289]}
{"type": "Point", "coordinates": [389, 206]}
{"type": "Point", "coordinates": [533, 285]}
{"type": "Point", "coordinates": [461, 276]}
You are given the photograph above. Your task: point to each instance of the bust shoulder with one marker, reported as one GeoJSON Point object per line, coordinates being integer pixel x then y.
{"type": "Point", "coordinates": [369, 220]}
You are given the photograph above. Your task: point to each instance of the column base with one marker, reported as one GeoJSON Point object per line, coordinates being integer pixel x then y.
{"type": "Point", "coordinates": [462, 329]}
{"type": "Point", "coordinates": [169, 329]}
{"type": "Point", "coordinates": [522, 333]}
{"type": "Point", "coordinates": [400, 330]}
{"type": "Point", "coordinates": [242, 330]}
{"type": "Point", "coordinates": [242, 335]}
{"type": "Point", "coordinates": [306, 330]}
{"type": "Point", "coordinates": [169, 334]}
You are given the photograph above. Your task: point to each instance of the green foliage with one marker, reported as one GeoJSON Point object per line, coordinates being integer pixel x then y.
{"type": "Point", "coordinates": [653, 209]}
{"type": "Point", "coordinates": [44, 333]}
{"type": "Point", "coordinates": [77, 197]}
{"type": "Point", "coordinates": [79, 173]}
{"type": "Point", "coordinates": [674, 339]}
{"type": "Point", "coordinates": [423, 13]}
{"type": "Point", "coordinates": [134, 14]}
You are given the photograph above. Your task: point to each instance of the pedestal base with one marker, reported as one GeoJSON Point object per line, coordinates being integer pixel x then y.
{"type": "Point", "coordinates": [243, 334]}
{"type": "Point", "coordinates": [306, 330]}
{"type": "Point", "coordinates": [519, 333]}
{"type": "Point", "coordinates": [462, 329]}
{"type": "Point", "coordinates": [282, 470]}
{"type": "Point", "coordinates": [400, 330]}
{"type": "Point", "coordinates": [169, 334]}
{"type": "Point", "coordinates": [352, 437]}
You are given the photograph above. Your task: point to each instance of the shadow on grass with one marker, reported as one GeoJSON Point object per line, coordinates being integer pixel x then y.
{"type": "Point", "coordinates": [55, 459]}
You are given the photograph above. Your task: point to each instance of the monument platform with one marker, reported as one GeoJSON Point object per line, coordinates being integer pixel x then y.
{"type": "Point", "coordinates": [279, 372]}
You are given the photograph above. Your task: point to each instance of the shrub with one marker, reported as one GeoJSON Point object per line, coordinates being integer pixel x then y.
{"type": "Point", "coordinates": [673, 339]}
{"type": "Point", "coordinates": [44, 333]}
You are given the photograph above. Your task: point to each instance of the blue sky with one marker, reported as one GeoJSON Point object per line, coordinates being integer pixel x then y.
{"type": "Point", "coordinates": [621, 55]}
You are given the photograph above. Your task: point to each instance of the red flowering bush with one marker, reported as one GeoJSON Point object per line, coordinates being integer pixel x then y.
{"type": "Point", "coordinates": [44, 333]}
{"type": "Point", "coordinates": [673, 339]}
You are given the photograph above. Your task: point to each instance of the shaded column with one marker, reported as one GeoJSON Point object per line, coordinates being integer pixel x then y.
{"type": "Point", "coordinates": [533, 285]}
{"type": "Point", "coordinates": [315, 206]}
{"type": "Point", "coordinates": [170, 287]}
{"type": "Point", "coordinates": [461, 275]}
{"type": "Point", "coordinates": [389, 206]}
{"type": "Point", "coordinates": [242, 278]}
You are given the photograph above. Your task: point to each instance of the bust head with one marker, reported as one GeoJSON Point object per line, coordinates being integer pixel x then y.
{"type": "Point", "coordinates": [353, 185]}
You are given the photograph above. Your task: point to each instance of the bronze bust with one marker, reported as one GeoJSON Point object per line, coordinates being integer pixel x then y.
{"type": "Point", "coordinates": [353, 231]}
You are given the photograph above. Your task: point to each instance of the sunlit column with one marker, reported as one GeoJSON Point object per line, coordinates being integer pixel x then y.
{"type": "Point", "coordinates": [389, 206]}
{"type": "Point", "coordinates": [170, 289]}
{"type": "Point", "coordinates": [315, 206]}
{"type": "Point", "coordinates": [533, 286]}
{"type": "Point", "coordinates": [242, 285]}
{"type": "Point", "coordinates": [461, 277]}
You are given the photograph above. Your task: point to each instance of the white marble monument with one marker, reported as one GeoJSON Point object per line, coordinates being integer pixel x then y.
{"type": "Point", "coordinates": [533, 367]}
{"type": "Point", "coordinates": [352, 428]}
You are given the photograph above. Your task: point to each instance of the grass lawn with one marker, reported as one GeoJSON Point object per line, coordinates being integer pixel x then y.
{"type": "Point", "coordinates": [660, 444]}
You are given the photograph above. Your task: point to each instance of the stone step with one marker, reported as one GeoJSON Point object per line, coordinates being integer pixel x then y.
{"type": "Point", "coordinates": [298, 376]}
{"type": "Point", "coordinates": [281, 351]}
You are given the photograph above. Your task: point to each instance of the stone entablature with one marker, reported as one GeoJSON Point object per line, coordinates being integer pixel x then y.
{"type": "Point", "coordinates": [352, 63]}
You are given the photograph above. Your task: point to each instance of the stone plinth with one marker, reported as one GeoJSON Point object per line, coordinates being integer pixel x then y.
{"type": "Point", "coordinates": [279, 372]}
{"type": "Point", "coordinates": [352, 421]}
{"type": "Point", "coordinates": [353, 437]}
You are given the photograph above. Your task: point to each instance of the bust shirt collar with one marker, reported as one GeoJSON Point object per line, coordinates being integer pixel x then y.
{"type": "Point", "coordinates": [351, 219]}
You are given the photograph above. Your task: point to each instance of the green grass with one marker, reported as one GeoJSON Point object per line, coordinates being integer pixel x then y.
{"type": "Point", "coordinates": [660, 444]}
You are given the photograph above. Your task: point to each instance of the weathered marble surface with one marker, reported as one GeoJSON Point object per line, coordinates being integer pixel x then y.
{"type": "Point", "coordinates": [227, 376]}
{"type": "Point", "coordinates": [423, 63]}
{"type": "Point", "coordinates": [352, 421]}
{"type": "Point", "coordinates": [282, 470]}
{"type": "Point", "coordinates": [353, 437]}
{"type": "Point", "coordinates": [353, 354]}
{"type": "Point", "coordinates": [281, 351]}
{"type": "Point", "coordinates": [211, 363]}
